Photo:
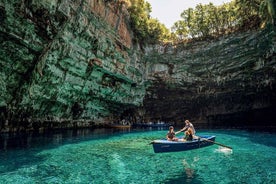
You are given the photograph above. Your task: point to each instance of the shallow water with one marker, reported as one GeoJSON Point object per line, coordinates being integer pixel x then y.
{"type": "Point", "coordinates": [107, 156]}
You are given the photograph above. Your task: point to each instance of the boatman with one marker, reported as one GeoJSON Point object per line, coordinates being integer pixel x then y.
{"type": "Point", "coordinates": [188, 125]}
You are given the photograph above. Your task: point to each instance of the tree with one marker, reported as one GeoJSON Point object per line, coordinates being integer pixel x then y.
{"type": "Point", "coordinates": [268, 11]}
{"type": "Point", "coordinates": [146, 30]}
{"type": "Point", "coordinates": [248, 13]}
{"type": "Point", "coordinates": [208, 20]}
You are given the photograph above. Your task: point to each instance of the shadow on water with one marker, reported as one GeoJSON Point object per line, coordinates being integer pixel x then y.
{"type": "Point", "coordinates": [53, 138]}
{"type": "Point", "coordinates": [266, 139]}
{"type": "Point", "coordinates": [16, 160]}
{"type": "Point", "coordinates": [21, 150]}
{"type": "Point", "coordinates": [187, 176]}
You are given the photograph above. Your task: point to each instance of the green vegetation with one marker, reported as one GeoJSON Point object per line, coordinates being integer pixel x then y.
{"type": "Point", "coordinates": [146, 29]}
{"type": "Point", "coordinates": [204, 21]}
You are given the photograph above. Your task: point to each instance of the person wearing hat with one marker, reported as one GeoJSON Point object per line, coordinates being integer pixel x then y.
{"type": "Point", "coordinates": [171, 134]}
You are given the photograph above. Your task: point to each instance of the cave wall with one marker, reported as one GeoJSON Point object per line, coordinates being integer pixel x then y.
{"type": "Point", "coordinates": [73, 64]}
{"type": "Point", "coordinates": [230, 80]}
{"type": "Point", "coordinates": [66, 64]}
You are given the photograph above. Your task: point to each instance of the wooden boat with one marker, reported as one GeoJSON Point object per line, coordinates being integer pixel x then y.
{"type": "Point", "coordinates": [118, 126]}
{"type": "Point", "coordinates": [164, 145]}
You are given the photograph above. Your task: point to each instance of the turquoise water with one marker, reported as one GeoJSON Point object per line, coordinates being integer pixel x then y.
{"type": "Point", "coordinates": [127, 157]}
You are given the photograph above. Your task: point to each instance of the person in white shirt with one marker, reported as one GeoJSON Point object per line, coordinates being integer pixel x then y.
{"type": "Point", "coordinates": [188, 124]}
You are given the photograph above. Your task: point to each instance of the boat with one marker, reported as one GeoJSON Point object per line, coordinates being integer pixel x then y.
{"type": "Point", "coordinates": [119, 126]}
{"type": "Point", "coordinates": [163, 145]}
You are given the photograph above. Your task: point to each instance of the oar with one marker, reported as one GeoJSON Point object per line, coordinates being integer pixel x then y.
{"type": "Point", "coordinates": [178, 132]}
{"type": "Point", "coordinates": [207, 140]}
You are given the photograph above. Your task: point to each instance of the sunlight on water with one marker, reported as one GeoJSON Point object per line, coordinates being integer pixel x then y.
{"type": "Point", "coordinates": [224, 150]}
{"type": "Point", "coordinates": [129, 158]}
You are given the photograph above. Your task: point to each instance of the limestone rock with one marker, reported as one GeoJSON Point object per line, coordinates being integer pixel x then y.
{"type": "Point", "coordinates": [66, 61]}
{"type": "Point", "coordinates": [224, 80]}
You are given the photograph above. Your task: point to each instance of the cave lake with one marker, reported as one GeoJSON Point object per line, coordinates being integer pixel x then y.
{"type": "Point", "coordinates": [126, 156]}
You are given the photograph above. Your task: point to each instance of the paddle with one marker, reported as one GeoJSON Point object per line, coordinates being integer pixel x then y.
{"type": "Point", "coordinates": [207, 140]}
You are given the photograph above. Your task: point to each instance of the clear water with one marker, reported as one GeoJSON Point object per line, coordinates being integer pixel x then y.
{"type": "Point", "coordinates": [104, 156]}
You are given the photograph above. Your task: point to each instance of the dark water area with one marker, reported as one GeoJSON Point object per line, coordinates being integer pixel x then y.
{"type": "Point", "coordinates": [27, 140]}
{"type": "Point", "coordinates": [125, 156]}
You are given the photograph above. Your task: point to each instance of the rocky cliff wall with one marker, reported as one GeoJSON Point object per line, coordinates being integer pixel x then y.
{"type": "Point", "coordinates": [226, 81]}
{"type": "Point", "coordinates": [73, 64]}
{"type": "Point", "coordinates": [66, 64]}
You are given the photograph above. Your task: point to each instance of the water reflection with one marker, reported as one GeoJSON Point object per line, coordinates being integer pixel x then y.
{"type": "Point", "coordinates": [54, 138]}
{"type": "Point", "coordinates": [60, 137]}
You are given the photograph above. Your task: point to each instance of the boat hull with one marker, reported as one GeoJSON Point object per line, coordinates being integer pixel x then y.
{"type": "Point", "coordinates": [160, 146]}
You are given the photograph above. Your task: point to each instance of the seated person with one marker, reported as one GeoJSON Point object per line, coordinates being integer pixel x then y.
{"type": "Point", "coordinates": [189, 135]}
{"type": "Point", "coordinates": [171, 135]}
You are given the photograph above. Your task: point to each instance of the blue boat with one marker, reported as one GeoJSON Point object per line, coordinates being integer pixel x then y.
{"type": "Point", "coordinates": [163, 145]}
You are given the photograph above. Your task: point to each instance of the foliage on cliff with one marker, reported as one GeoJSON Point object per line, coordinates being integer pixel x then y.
{"type": "Point", "coordinates": [211, 21]}
{"type": "Point", "coordinates": [204, 21]}
{"type": "Point", "coordinates": [146, 29]}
